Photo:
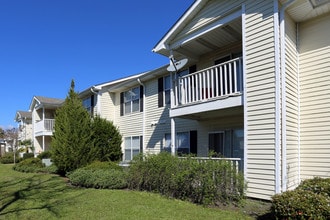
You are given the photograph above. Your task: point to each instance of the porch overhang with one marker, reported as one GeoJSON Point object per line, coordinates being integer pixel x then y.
{"type": "Point", "coordinates": [191, 111]}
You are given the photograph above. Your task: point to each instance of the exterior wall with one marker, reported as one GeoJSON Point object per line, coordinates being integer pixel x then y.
{"type": "Point", "coordinates": [292, 104]}
{"type": "Point", "coordinates": [260, 95]}
{"type": "Point", "coordinates": [314, 69]}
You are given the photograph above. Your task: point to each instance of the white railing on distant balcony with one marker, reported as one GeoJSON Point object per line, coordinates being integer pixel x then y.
{"type": "Point", "coordinates": [218, 81]}
{"type": "Point", "coordinates": [46, 125]}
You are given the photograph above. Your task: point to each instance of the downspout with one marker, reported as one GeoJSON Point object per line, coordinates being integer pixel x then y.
{"type": "Point", "coordinates": [284, 91]}
{"type": "Point", "coordinates": [244, 93]}
{"type": "Point", "coordinates": [277, 99]}
{"type": "Point", "coordinates": [95, 91]}
{"type": "Point", "coordinates": [144, 113]}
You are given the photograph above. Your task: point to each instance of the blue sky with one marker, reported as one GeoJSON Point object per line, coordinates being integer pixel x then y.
{"type": "Point", "coordinates": [46, 43]}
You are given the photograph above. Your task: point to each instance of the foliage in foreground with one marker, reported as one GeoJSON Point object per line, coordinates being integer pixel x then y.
{"type": "Point", "coordinates": [104, 175]}
{"type": "Point", "coordinates": [78, 140]}
{"type": "Point", "coordinates": [43, 196]}
{"type": "Point", "coordinates": [29, 165]}
{"type": "Point", "coordinates": [310, 200]}
{"type": "Point", "coordinates": [207, 182]}
{"type": "Point", "coordinates": [9, 158]}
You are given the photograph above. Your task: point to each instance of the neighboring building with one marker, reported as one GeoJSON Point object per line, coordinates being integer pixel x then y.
{"type": "Point", "coordinates": [269, 102]}
{"type": "Point", "coordinates": [24, 120]}
{"type": "Point", "coordinates": [43, 119]}
{"type": "Point", "coordinates": [2, 147]}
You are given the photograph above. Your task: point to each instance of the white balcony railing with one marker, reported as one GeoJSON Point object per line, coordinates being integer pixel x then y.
{"type": "Point", "coordinates": [235, 163]}
{"type": "Point", "coordinates": [46, 125]}
{"type": "Point", "coordinates": [218, 81]}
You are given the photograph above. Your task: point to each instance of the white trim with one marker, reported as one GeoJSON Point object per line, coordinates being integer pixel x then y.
{"type": "Point", "coordinates": [277, 99]}
{"type": "Point", "coordinates": [162, 44]}
{"type": "Point", "coordinates": [206, 29]}
{"type": "Point", "coordinates": [244, 93]}
{"type": "Point", "coordinates": [144, 114]}
{"type": "Point", "coordinates": [173, 136]}
{"type": "Point", "coordinates": [283, 81]}
{"type": "Point", "coordinates": [298, 83]}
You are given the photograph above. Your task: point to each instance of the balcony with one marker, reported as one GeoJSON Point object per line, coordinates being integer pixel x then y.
{"type": "Point", "coordinates": [214, 88]}
{"type": "Point", "coordinates": [44, 127]}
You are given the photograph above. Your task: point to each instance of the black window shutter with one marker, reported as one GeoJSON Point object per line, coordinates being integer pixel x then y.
{"type": "Point", "coordinates": [161, 92]}
{"type": "Point", "coordinates": [193, 142]}
{"type": "Point", "coordinates": [141, 144]}
{"type": "Point", "coordinates": [141, 98]}
{"type": "Point", "coordinates": [121, 104]}
{"type": "Point", "coordinates": [92, 105]}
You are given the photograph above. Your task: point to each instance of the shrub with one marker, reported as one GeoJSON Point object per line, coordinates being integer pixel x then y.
{"type": "Point", "coordinates": [9, 158]}
{"type": "Point", "coordinates": [45, 155]}
{"type": "Point", "coordinates": [28, 155]}
{"type": "Point", "coordinates": [98, 165]}
{"type": "Point", "coordinates": [98, 178]}
{"type": "Point", "coordinates": [317, 185]}
{"type": "Point", "coordinates": [206, 182]}
{"type": "Point", "coordinates": [30, 165]}
{"type": "Point", "coordinates": [300, 204]}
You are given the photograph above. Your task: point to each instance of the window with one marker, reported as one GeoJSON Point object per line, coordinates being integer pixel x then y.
{"type": "Point", "coordinates": [131, 101]}
{"type": "Point", "coordinates": [164, 91]}
{"type": "Point", "coordinates": [228, 143]}
{"type": "Point", "coordinates": [133, 147]}
{"type": "Point", "coordinates": [167, 90]}
{"type": "Point", "coordinates": [88, 103]}
{"type": "Point", "coordinates": [182, 143]}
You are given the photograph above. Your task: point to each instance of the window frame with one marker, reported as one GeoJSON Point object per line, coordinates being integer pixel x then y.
{"type": "Point", "coordinates": [132, 99]}
{"type": "Point", "coordinates": [130, 140]}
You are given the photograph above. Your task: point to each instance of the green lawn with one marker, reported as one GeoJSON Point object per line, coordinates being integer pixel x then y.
{"type": "Point", "coordinates": [43, 196]}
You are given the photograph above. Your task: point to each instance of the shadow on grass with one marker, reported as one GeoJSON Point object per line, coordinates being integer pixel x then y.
{"type": "Point", "coordinates": [37, 192]}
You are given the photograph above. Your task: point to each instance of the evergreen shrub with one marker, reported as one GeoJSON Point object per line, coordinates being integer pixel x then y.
{"type": "Point", "coordinates": [45, 155]}
{"type": "Point", "coordinates": [29, 165]}
{"type": "Point", "coordinates": [104, 175]}
{"type": "Point", "coordinates": [310, 200]}
{"type": "Point", "coordinates": [208, 182]}
{"type": "Point", "coordinates": [28, 155]}
{"type": "Point", "coordinates": [8, 158]}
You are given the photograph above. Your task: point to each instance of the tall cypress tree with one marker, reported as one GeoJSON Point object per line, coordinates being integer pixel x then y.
{"type": "Point", "coordinates": [72, 142]}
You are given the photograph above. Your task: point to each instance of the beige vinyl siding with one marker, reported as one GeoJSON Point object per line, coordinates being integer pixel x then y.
{"type": "Point", "coordinates": [214, 10]}
{"type": "Point", "coordinates": [155, 133]}
{"type": "Point", "coordinates": [260, 94]}
{"type": "Point", "coordinates": [292, 105]}
{"type": "Point", "coordinates": [108, 101]}
{"type": "Point", "coordinates": [314, 61]}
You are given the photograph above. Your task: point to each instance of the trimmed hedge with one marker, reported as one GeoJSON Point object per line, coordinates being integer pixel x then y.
{"type": "Point", "coordinates": [208, 182]}
{"type": "Point", "coordinates": [9, 158]}
{"type": "Point", "coordinates": [103, 175]}
{"type": "Point", "coordinates": [30, 165]}
{"type": "Point", "coordinates": [310, 200]}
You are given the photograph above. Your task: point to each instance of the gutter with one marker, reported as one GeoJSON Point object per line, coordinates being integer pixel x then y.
{"type": "Point", "coordinates": [144, 113]}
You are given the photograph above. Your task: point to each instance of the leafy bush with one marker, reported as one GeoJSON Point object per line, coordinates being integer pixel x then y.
{"type": "Point", "coordinates": [45, 155]}
{"type": "Point", "coordinates": [98, 178]}
{"type": "Point", "coordinates": [206, 182]}
{"type": "Point", "coordinates": [50, 169]}
{"type": "Point", "coordinates": [300, 204]}
{"type": "Point", "coordinates": [317, 185]}
{"type": "Point", "coordinates": [28, 155]}
{"type": "Point", "coordinates": [98, 165]}
{"type": "Point", "coordinates": [9, 158]}
{"type": "Point", "coordinates": [30, 165]}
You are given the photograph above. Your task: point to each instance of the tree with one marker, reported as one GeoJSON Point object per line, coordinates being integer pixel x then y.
{"type": "Point", "coordinates": [2, 133]}
{"type": "Point", "coordinates": [107, 140]}
{"type": "Point", "coordinates": [72, 143]}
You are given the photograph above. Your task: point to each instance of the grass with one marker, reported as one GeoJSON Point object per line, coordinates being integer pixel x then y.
{"type": "Point", "coordinates": [44, 196]}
